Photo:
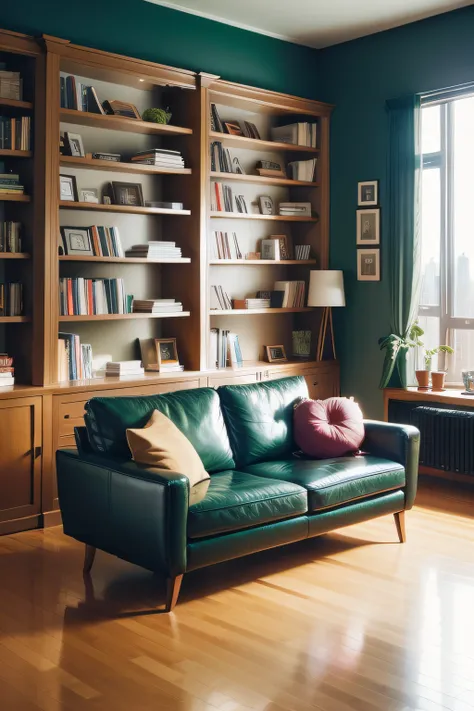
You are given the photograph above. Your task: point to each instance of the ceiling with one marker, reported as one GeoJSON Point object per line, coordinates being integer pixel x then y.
{"type": "Point", "coordinates": [315, 23]}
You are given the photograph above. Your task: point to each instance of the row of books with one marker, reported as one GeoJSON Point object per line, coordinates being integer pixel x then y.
{"type": "Point", "coordinates": [221, 160]}
{"type": "Point", "coordinates": [80, 296]}
{"type": "Point", "coordinates": [235, 128]}
{"type": "Point", "coordinates": [299, 134]}
{"type": "Point", "coordinates": [252, 303]}
{"type": "Point", "coordinates": [15, 133]}
{"type": "Point", "coordinates": [11, 299]}
{"type": "Point", "coordinates": [222, 199]}
{"type": "Point", "coordinates": [295, 209]}
{"type": "Point", "coordinates": [160, 158]}
{"type": "Point", "coordinates": [10, 236]}
{"type": "Point", "coordinates": [78, 96]}
{"type": "Point", "coordinates": [156, 306]}
{"type": "Point", "coordinates": [224, 348]}
{"type": "Point", "coordinates": [104, 241]}
{"type": "Point", "coordinates": [74, 358]}
{"type": "Point", "coordinates": [219, 299]}
{"type": "Point", "coordinates": [10, 184]}
{"type": "Point", "coordinates": [11, 85]}
{"type": "Point", "coordinates": [225, 246]}
{"type": "Point", "coordinates": [302, 251]}
{"type": "Point", "coordinates": [303, 169]}
{"type": "Point", "coordinates": [285, 295]}
{"type": "Point", "coordinates": [155, 250]}
{"type": "Point", "coordinates": [7, 371]}
{"type": "Point", "coordinates": [293, 293]}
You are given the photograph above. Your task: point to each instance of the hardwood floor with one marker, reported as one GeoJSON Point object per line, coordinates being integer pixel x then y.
{"type": "Point", "coordinates": [352, 621]}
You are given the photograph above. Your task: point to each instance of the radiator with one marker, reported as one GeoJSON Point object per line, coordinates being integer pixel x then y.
{"type": "Point", "coordinates": [447, 438]}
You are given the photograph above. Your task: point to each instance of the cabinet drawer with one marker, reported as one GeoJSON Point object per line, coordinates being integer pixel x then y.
{"type": "Point", "coordinates": [67, 442]}
{"type": "Point", "coordinates": [322, 383]}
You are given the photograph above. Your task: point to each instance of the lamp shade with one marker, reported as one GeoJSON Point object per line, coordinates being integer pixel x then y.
{"type": "Point", "coordinates": [326, 288]}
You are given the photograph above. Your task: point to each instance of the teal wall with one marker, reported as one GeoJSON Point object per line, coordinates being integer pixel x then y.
{"type": "Point", "coordinates": [358, 77]}
{"type": "Point", "coordinates": [141, 29]}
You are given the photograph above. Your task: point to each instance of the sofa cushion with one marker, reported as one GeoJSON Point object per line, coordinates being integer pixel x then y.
{"type": "Point", "coordinates": [328, 428]}
{"type": "Point", "coordinates": [259, 418]}
{"type": "Point", "coordinates": [196, 413]}
{"type": "Point", "coordinates": [237, 500]}
{"type": "Point", "coordinates": [332, 482]}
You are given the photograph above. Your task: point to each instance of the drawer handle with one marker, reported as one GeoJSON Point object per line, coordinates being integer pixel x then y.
{"type": "Point", "coordinates": [38, 452]}
{"type": "Point", "coordinates": [66, 417]}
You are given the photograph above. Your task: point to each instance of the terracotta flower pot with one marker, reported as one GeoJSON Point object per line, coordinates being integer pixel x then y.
{"type": "Point", "coordinates": [423, 378]}
{"type": "Point", "coordinates": [437, 380]}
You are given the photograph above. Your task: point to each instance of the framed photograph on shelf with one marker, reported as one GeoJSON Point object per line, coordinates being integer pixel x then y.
{"type": "Point", "coordinates": [76, 240]}
{"type": "Point", "coordinates": [233, 128]}
{"type": "Point", "coordinates": [368, 226]}
{"type": "Point", "coordinates": [73, 143]}
{"type": "Point", "coordinates": [285, 246]}
{"type": "Point", "coordinates": [166, 351]}
{"type": "Point", "coordinates": [276, 354]}
{"type": "Point", "coordinates": [368, 193]}
{"type": "Point", "coordinates": [368, 265]}
{"type": "Point", "coordinates": [265, 203]}
{"type": "Point", "coordinates": [90, 195]}
{"type": "Point", "coordinates": [68, 188]}
{"type": "Point", "coordinates": [127, 194]}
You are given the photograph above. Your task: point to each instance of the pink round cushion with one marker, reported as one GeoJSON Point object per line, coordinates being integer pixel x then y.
{"type": "Point", "coordinates": [328, 428]}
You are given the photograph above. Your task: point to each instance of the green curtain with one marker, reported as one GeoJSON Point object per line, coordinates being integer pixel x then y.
{"type": "Point", "coordinates": [404, 205]}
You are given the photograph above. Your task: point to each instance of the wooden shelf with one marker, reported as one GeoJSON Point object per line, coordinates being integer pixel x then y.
{"type": "Point", "coordinates": [119, 123]}
{"type": "Point", "coordinates": [118, 167]}
{"type": "Point", "coordinates": [122, 260]}
{"type": "Point", "coordinates": [264, 180]}
{"type": "Point", "coordinates": [133, 209]}
{"type": "Point", "coordinates": [14, 104]}
{"type": "Point", "coordinates": [8, 153]}
{"type": "Point", "coordinates": [9, 197]}
{"type": "Point", "coordinates": [252, 312]}
{"type": "Point", "coordinates": [245, 216]}
{"type": "Point", "coordinates": [256, 144]}
{"type": "Point", "coordinates": [15, 255]}
{"type": "Point", "coordinates": [261, 262]}
{"type": "Point", "coordinates": [120, 317]}
{"type": "Point", "coordinates": [14, 319]}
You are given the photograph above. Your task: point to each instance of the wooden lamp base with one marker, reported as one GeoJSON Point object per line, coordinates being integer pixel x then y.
{"type": "Point", "coordinates": [325, 320]}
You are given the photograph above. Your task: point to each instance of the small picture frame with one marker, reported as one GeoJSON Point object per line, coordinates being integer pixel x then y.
{"type": "Point", "coordinates": [368, 265]}
{"type": "Point", "coordinates": [266, 205]}
{"type": "Point", "coordinates": [276, 354]}
{"type": "Point", "coordinates": [127, 194]}
{"type": "Point", "coordinates": [76, 240]}
{"type": "Point", "coordinates": [368, 193]}
{"type": "Point", "coordinates": [73, 143]}
{"type": "Point", "coordinates": [285, 246]}
{"type": "Point", "coordinates": [90, 195]}
{"type": "Point", "coordinates": [368, 226]}
{"type": "Point", "coordinates": [233, 128]}
{"type": "Point", "coordinates": [166, 351]}
{"type": "Point", "coordinates": [68, 188]}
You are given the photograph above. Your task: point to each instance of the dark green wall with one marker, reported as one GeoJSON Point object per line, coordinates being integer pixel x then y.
{"type": "Point", "coordinates": [359, 77]}
{"type": "Point", "coordinates": [141, 29]}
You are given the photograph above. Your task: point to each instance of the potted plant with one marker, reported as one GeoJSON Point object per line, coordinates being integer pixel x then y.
{"type": "Point", "coordinates": [437, 376]}
{"type": "Point", "coordinates": [394, 346]}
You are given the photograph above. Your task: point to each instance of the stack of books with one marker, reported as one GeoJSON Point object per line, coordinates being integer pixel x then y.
{"type": "Point", "coordinates": [302, 251]}
{"type": "Point", "coordinates": [155, 250]}
{"type": "Point", "coordinates": [124, 368]}
{"type": "Point", "coordinates": [156, 306]}
{"type": "Point", "coordinates": [291, 294]}
{"type": "Point", "coordinates": [224, 347]}
{"type": "Point", "coordinates": [221, 198]}
{"type": "Point", "coordinates": [303, 169]}
{"type": "Point", "coordinates": [10, 236]}
{"type": "Point", "coordinates": [252, 303]}
{"type": "Point", "coordinates": [298, 134]}
{"type": "Point", "coordinates": [216, 123]}
{"type": "Point", "coordinates": [74, 358]}
{"type": "Point", "coordinates": [78, 96]}
{"type": "Point", "coordinates": [10, 184]}
{"type": "Point", "coordinates": [7, 371]}
{"type": "Point", "coordinates": [11, 299]}
{"type": "Point", "coordinates": [93, 297]}
{"type": "Point", "coordinates": [225, 246]}
{"type": "Point", "coordinates": [295, 209]}
{"type": "Point", "coordinates": [221, 159]}
{"type": "Point", "coordinates": [105, 241]}
{"type": "Point", "coordinates": [220, 300]}
{"type": "Point", "coordinates": [15, 133]}
{"type": "Point", "coordinates": [160, 158]}
{"type": "Point", "coordinates": [11, 85]}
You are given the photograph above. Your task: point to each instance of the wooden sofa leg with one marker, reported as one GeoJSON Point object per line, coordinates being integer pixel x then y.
{"type": "Point", "coordinates": [173, 586]}
{"type": "Point", "coordinates": [89, 556]}
{"type": "Point", "coordinates": [400, 524]}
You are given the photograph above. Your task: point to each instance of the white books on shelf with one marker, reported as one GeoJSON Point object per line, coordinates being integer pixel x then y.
{"type": "Point", "coordinates": [293, 293]}
{"type": "Point", "coordinates": [226, 245]}
{"type": "Point", "coordinates": [224, 348]}
{"type": "Point", "coordinates": [219, 299]}
{"type": "Point", "coordinates": [303, 169]}
{"type": "Point", "coordinates": [154, 306]}
{"type": "Point", "coordinates": [302, 209]}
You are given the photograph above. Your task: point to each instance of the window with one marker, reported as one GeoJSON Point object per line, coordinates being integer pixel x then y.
{"type": "Point", "coordinates": [447, 290]}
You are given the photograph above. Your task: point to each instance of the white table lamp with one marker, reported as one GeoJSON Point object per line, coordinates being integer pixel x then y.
{"type": "Point", "coordinates": [326, 289]}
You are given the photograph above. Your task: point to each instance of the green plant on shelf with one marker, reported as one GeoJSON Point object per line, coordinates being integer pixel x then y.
{"type": "Point", "coordinates": [157, 115]}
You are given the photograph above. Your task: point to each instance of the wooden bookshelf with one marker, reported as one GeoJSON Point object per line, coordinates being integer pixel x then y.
{"type": "Point", "coordinates": [14, 198]}
{"type": "Point", "coordinates": [255, 144]}
{"type": "Point", "coordinates": [257, 312]}
{"type": "Point", "coordinates": [15, 255]}
{"type": "Point", "coordinates": [267, 218]}
{"type": "Point", "coordinates": [123, 317]}
{"type": "Point", "coordinates": [262, 262]}
{"type": "Point", "coordinates": [15, 104]}
{"type": "Point", "coordinates": [119, 123]}
{"type": "Point", "coordinates": [122, 260]}
{"type": "Point", "coordinates": [263, 180]}
{"type": "Point", "coordinates": [9, 153]}
{"type": "Point", "coordinates": [130, 209]}
{"type": "Point", "coordinates": [15, 319]}
{"type": "Point", "coordinates": [119, 167]}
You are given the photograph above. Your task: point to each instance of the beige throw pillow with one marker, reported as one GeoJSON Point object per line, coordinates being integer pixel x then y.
{"type": "Point", "coordinates": [162, 445]}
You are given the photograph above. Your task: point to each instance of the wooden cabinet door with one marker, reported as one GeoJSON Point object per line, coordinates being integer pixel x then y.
{"type": "Point", "coordinates": [322, 383]}
{"type": "Point", "coordinates": [20, 463]}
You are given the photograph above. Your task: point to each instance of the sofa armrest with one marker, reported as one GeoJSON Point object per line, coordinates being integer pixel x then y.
{"type": "Point", "coordinates": [127, 509]}
{"type": "Point", "coordinates": [399, 443]}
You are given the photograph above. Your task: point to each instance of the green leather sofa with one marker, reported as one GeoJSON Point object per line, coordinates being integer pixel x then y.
{"type": "Point", "coordinates": [260, 495]}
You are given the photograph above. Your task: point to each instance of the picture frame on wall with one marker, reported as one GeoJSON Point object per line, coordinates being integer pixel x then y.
{"type": "Point", "coordinates": [368, 193]}
{"type": "Point", "coordinates": [368, 265]}
{"type": "Point", "coordinates": [368, 226]}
